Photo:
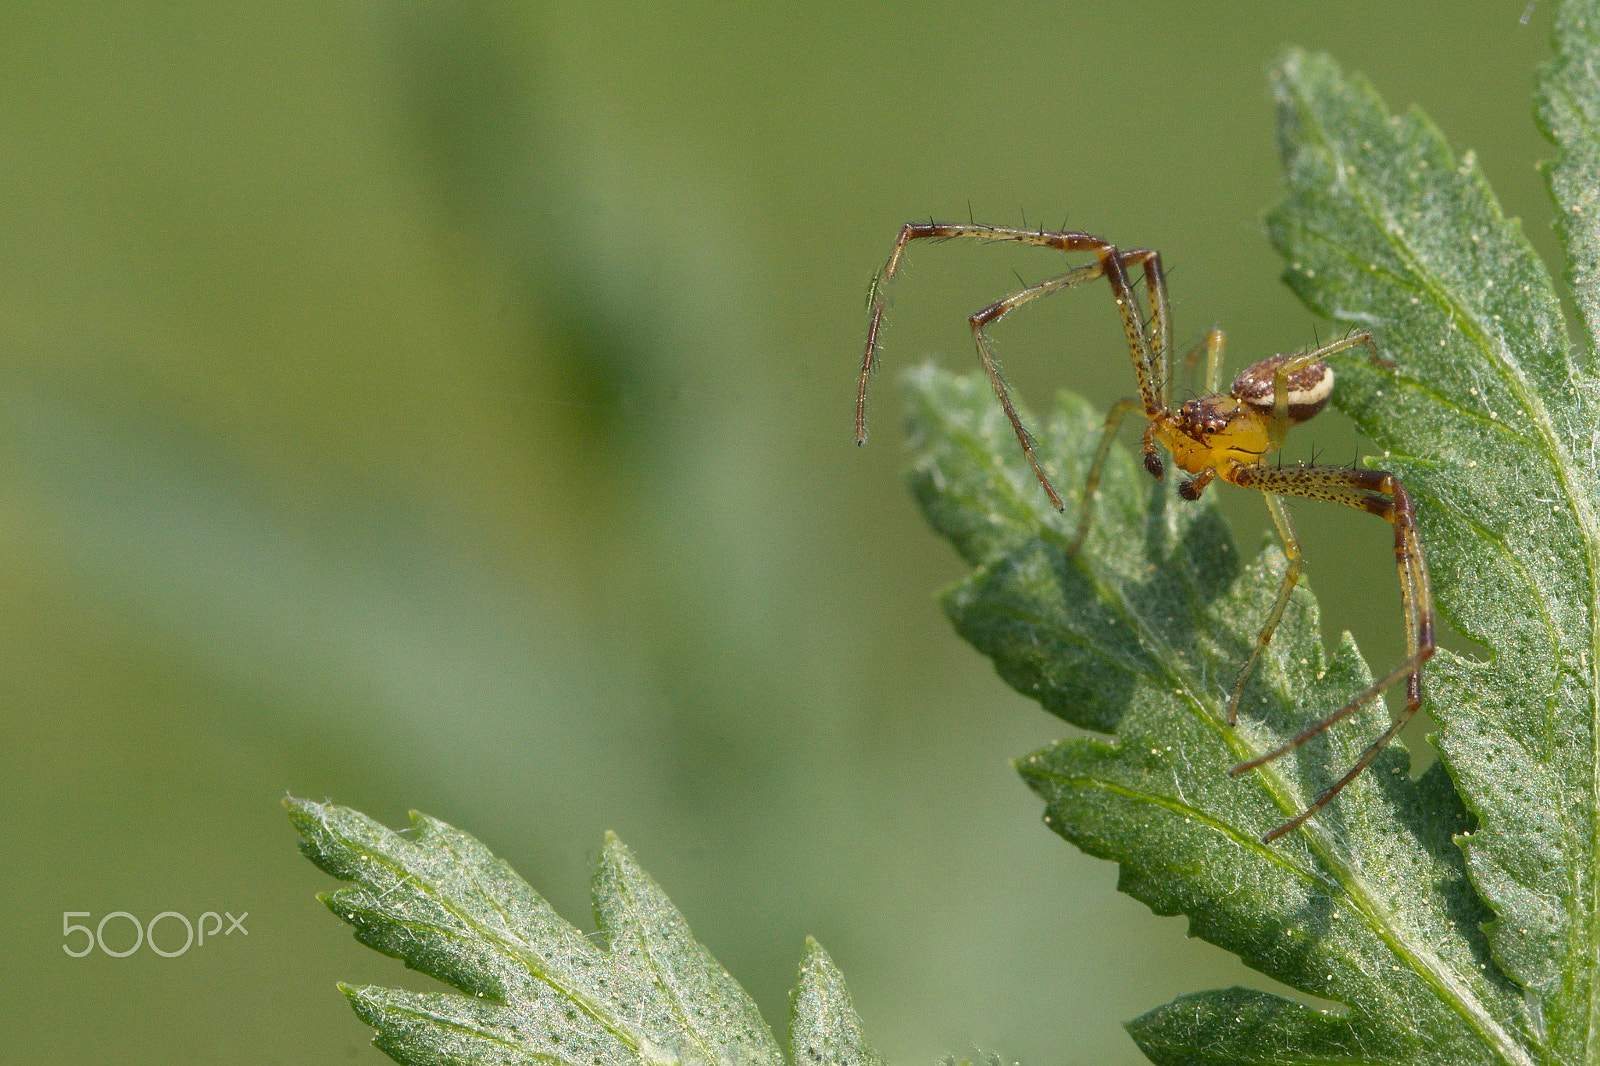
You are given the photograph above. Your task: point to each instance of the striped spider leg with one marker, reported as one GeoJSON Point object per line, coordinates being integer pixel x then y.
{"type": "Point", "coordinates": [1224, 435]}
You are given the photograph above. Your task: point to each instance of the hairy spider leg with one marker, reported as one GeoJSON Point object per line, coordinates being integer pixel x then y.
{"type": "Point", "coordinates": [980, 321]}
{"type": "Point", "coordinates": [1291, 577]}
{"type": "Point", "coordinates": [1376, 492]}
{"type": "Point", "coordinates": [1231, 449]}
{"type": "Point", "coordinates": [1211, 344]}
{"type": "Point", "coordinates": [1150, 352]}
{"type": "Point", "coordinates": [1280, 377]}
{"type": "Point", "coordinates": [1091, 484]}
{"type": "Point", "coordinates": [1277, 429]}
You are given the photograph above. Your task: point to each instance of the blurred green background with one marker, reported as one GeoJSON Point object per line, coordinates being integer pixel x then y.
{"type": "Point", "coordinates": [447, 405]}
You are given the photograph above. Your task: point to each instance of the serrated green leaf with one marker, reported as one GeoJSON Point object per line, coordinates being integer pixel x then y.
{"type": "Point", "coordinates": [1569, 111]}
{"type": "Point", "coordinates": [1493, 426]}
{"type": "Point", "coordinates": [1369, 904]}
{"type": "Point", "coordinates": [824, 1029]}
{"type": "Point", "coordinates": [1454, 918]}
{"type": "Point", "coordinates": [538, 990]}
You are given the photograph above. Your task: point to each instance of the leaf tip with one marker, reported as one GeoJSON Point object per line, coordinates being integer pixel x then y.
{"type": "Point", "coordinates": [613, 852]}
{"type": "Point", "coordinates": [302, 812]}
{"type": "Point", "coordinates": [618, 864]}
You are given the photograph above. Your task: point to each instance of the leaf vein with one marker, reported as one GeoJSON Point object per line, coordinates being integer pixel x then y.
{"type": "Point", "coordinates": [1454, 991]}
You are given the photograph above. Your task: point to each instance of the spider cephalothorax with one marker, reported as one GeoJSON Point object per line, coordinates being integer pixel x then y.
{"type": "Point", "coordinates": [1209, 435]}
{"type": "Point", "coordinates": [1219, 434]}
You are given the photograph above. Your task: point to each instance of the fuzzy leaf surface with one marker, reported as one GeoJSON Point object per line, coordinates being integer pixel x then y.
{"type": "Point", "coordinates": [1491, 420]}
{"type": "Point", "coordinates": [537, 989]}
{"type": "Point", "coordinates": [1140, 636]}
{"type": "Point", "coordinates": [1453, 916]}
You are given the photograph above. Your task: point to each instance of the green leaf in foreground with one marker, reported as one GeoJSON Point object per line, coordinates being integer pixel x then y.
{"type": "Point", "coordinates": [1456, 918]}
{"type": "Point", "coordinates": [1142, 634]}
{"type": "Point", "coordinates": [1492, 423]}
{"type": "Point", "coordinates": [538, 990]}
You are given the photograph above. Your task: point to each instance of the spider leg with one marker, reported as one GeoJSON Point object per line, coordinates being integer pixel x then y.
{"type": "Point", "coordinates": [1091, 484]}
{"type": "Point", "coordinates": [1280, 377]}
{"type": "Point", "coordinates": [1382, 494]}
{"type": "Point", "coordinates": [1211, 344]}
{"type": "Point", "coordinates": [981, 320]}
{"type": "Point", "coordinates": [1291, 577]}
{"type": "Point", "coordinates": [1149, 351]}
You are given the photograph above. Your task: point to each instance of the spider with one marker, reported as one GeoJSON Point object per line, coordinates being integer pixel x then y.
{"type": "Point", "coordinates": [1219, 434]}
